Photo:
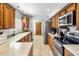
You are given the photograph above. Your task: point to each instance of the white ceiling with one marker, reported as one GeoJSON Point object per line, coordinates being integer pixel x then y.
{"type": "Point", "coordinates": [38, 9]}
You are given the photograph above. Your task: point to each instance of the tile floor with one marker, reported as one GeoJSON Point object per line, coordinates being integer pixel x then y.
{"type": "Point", "coordinates": [39, 48]}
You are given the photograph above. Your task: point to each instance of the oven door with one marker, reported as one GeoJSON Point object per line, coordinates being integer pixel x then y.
{"type": "Point", "coordinates": [58, 48]}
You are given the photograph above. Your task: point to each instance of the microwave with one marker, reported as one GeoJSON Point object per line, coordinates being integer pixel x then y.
{"type": "Point", "coordinates": [63, 20]}
{"type": "Point", "coordinates": [68, 19]}
{"type": "Point", "coordinates": [71, 18]}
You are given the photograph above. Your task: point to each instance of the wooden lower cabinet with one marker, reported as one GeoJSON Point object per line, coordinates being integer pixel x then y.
{"type": "Point", "coordinates": [50, 41]}
{"type": "Point", "coordinates": [27, 38]}
{"type": "Point", "coordinates": [67, 53]}
{"type": "Point", "coordinates": [23, 39]}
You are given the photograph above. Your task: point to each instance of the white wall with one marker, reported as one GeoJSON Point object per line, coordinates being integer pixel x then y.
{"type": "Point", "coordinates": [32, 26]}
{"type": "Point", "coordinates": [18, 26]}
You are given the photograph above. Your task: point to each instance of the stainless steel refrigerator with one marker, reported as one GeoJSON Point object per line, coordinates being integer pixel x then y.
{"type": "Point", "coordinates": [47, 30]}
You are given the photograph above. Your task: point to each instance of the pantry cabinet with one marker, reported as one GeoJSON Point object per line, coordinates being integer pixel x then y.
{"type": "Point", "coordinates": [9, 16]}
{"type": "Point", "coordinates": [1, 15]}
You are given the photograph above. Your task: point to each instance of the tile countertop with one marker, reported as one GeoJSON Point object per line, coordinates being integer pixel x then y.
{"type": "Point", "coordinates": [52, 35]}
{"type": "Point", "coordinates": [74, 49]}
{"type": "Point", "coordinates": [18, 37]}
{"type": "Point", "coordinates": [14, 48]}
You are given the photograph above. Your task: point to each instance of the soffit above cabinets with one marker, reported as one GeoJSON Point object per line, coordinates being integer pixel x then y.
{"type": "Point", "coordinates": [38, 9]}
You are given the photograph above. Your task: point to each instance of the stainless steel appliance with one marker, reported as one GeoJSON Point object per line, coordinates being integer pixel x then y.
{"type": "Point", "coordinates": [71, 18]}
{"type": "Point", "coordinates": [63, 20]}
{"type": "Point", "coordinates": [58, 48]}
{"type": "Point", "coordinates": [58, 44]}
{"type": "Point", "coordinates": [47, 30]}
{"type": "Point", "coordinates": [68, 19]}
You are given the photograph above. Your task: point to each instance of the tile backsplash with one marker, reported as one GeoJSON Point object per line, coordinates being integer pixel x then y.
{"type": "Point", "coordinates": [72, 28]}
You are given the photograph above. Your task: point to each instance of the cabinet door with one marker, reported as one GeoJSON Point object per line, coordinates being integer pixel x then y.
{"type": "Point", "coordinates": [23, 39]}
{"type": "Point", "coordinates": [26, 38]}
{"type": "Point", "coordinates": [1, 15]}
{"type": "Point", "coordinates": [53, 21]}
{"type": "Point", "coordinates": [12, 14]}
{"type": "Point", "coordinates": [56, 21]}
{"type": "Point", "coordinates": [71, 8]}
{"type": "Point", "coordinates": [30, 37]}
{"type": "Point", "coordinates": [77, 16]}
{"type": "Point", "coordinates": [49, 41]}
{"type": "Point", "coordinates": [6, 16]}
{"type": "Point", "coordinates": [62, 13]}
{"type": "Point", "coordinates": [67, 53]}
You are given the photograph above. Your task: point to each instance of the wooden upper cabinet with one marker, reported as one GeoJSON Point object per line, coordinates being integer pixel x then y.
{"type": "Point", "coordinates": [77, 16]}
{"type": "Point", "coordinates": [12, 17]}
{"type": "Point", "coordinates": [71, 7]}
{"type": "Point", "coordinates": [1, 15]}
{"type": "Point", "coordinates": [55, 21]}
{"type": "Point", "coordinates": [63, 12]}
{"type": "Point", "coordinates": [6, 16]}
{"type": "Point", "coordinates": [9, 17]}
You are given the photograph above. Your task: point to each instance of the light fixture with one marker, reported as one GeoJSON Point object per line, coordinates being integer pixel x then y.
{"type": "Point", "coordinates": [48, 9]}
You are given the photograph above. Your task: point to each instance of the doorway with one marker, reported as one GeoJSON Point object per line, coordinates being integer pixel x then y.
{"type": "Point", "coordinates": [38, 28]}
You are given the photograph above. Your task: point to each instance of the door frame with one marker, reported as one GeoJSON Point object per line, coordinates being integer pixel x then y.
{"type": "Point", "coordinates": [40, 28]}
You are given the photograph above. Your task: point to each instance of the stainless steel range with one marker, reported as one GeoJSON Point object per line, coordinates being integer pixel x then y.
{"type": "Point", "coordinates": [58, 48]}
{"type": "Point", "coordinates": [58, 43]}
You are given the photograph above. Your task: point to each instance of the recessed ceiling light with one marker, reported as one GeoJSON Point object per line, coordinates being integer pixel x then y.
{"type": "Point", "coordinates": [48, 9]}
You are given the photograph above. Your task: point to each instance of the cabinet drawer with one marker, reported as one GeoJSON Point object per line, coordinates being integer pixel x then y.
{"type": "Point", "coordinates": [71, 8]}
